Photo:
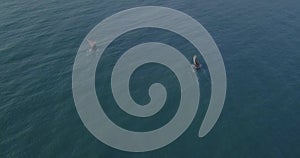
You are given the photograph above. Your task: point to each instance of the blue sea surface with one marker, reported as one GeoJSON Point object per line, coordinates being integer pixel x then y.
{"type": "Point", "coordinates": [259, 42]}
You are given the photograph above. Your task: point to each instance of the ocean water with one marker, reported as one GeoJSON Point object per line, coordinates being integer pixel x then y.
{"type": "Point", "coordinates": [259, 42]}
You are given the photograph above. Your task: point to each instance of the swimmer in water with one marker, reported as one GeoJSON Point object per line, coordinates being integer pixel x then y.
{"type": "Point", "coordinates": [93, 45]}
{"type": "Point", "coordinates": [197, 65]}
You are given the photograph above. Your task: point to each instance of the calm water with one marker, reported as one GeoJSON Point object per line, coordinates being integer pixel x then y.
{"type": "Point", "coordinates": [259, 42]}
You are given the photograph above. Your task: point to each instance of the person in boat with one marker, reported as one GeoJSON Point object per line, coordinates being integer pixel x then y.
{"type": "Point", "coordinates": [197, 65]}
